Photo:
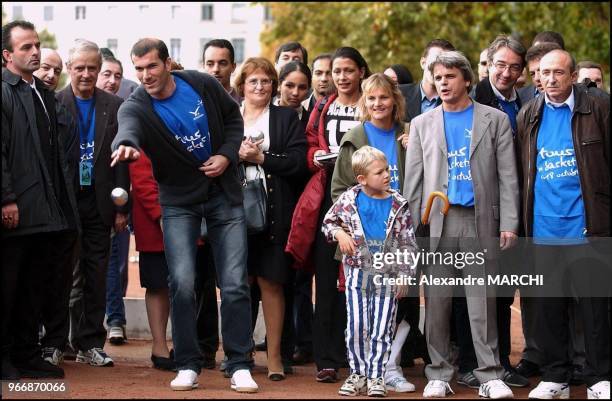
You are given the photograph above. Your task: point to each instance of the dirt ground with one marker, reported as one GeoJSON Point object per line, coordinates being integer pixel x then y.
{"type": "Point", "coordinates": [133, 377]}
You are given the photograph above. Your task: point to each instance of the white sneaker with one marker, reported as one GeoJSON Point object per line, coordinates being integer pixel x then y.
{"type": "Point", "coordinates": [52, 355]}
{"type": "Point", "coordinates": [599, 391]}
{"type": "Point", "coordinates": [399, 384]}
{"type": "Point", "coordinates": [376, 387]}
{"type": "Point", "coordinates": [116, 335]}
{"type": "Point", "coordinates": [495, 389]}
{"type": "Point", "coordinates": [186, 379]}
{"type": "Point", "coordinates": [242, 382]}
{"type": "Point", "coordinates": [94, 357]}
{"type": "Point", "coordinates": [354, 385]}
{"type": "Point", "coordinates": [437, 388]}
{"type": "Point", "coordinates": [550, 391]}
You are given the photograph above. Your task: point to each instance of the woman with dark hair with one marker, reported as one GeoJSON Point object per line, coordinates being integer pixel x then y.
{"type": "Point", "coordinates": [399, 73]}
{"type": "Point", "coordinates": [294, 80]}
{"type": "Point", "coordinates": [273, 149]}
{"type": "Point", "coordinates": [330, 119]}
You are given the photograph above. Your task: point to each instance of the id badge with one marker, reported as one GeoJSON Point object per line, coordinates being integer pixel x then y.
{"type": "Point", "coordinates": [85, 171]}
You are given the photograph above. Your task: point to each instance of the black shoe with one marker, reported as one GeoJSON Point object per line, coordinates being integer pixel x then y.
{"type": "Point", "coordinates": [577, 378]}
{"type": "Point", "coordinates": [69, 353]}
{"type": "Point", "coordinates": [37, 368]}
{"type": "Point", "coordinates": [287, 367]}
{"type": "Point", "coordinates": [301, 357]}
{"type": "Point", "coordinates": [527, 368]}
{"type": "Point", "coordinates": [468, 379]}
{"type": "Point", "coordinates": [511, 378]}
{"type": "Point", "coordinates": [208, 361]}
{"type": "Point", "coordinates": [9, 372]}
{"type": "Point", "coordinates": [262, 346]}
{"type": "Point", "coordinates": [162, 363]}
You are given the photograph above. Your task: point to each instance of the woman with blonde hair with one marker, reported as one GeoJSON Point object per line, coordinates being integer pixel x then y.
{"type": "Point", "coordinates": [381, 112]}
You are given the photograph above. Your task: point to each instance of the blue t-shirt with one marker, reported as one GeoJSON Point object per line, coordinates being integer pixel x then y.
{"type": "Point", "coordinates": [558, 208]}
{"type": "Point", "coordinates": [386, 143]}
{"type": "Point", "coordinates": [458, 131]}
{"type": "Point", "coordinates": [185, 116]}
{"type": "Point", "coordinates": [511, 109]}
{"type": "Point", "coordinates": [373, 214]}
{"type": "Point", "coordinates": [86, 127]}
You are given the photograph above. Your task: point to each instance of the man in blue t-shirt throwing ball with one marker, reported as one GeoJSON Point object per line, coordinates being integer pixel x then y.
{"type": "Point", "coordinates": [191, 129]}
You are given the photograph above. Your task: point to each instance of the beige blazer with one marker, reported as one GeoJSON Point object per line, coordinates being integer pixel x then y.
{"type": "Point", "coordinates": [493, 168]}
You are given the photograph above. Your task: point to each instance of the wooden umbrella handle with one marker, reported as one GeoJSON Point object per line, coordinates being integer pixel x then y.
{"type": "Point", "coordinates": [432, 196]}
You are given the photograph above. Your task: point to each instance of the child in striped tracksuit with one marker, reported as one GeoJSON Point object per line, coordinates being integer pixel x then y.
{"type": "Point", "coordinates": [368, 221]}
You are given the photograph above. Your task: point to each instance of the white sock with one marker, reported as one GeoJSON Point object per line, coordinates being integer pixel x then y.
{"type": "Point", "coordinates": [393, 368]}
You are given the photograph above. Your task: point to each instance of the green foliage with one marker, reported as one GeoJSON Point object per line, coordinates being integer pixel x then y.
{"type": "Point", "coordinates": [388, 33]}
{"type": "Point", "coordinates": [47, 39]}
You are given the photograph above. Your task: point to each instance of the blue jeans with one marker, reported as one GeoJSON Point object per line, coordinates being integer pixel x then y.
{"type": "Point", "coordinates": [227, 235]}
{"type": "Point", "coordinates": [116, 279]}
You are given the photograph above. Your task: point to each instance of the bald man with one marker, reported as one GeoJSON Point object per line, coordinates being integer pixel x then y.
{"type": "Point", "coordinates": [50, 68]}
{"type": "Point", "coordinates": [563, 138]}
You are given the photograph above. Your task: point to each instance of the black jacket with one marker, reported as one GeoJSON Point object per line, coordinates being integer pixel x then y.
{"type": "Point", "coordinates": [25, 176]}
{"type": "Point", "coordinates": [105, 130]}
{"type": "Point", "coordinates": [285, 168]}
{"type": "Point", "coordinates": [175, 169]}
{"type": "Point", "coordinates": [412, 96]}
{"type": "Point", "coordinates": [483, 93]}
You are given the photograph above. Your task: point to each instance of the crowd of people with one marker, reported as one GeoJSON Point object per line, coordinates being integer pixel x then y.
{"type": "Point", "coordinates": [347, 158]}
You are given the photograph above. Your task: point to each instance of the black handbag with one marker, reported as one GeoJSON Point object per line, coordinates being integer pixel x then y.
{"type": "Point", "coordinates": [255, 203]}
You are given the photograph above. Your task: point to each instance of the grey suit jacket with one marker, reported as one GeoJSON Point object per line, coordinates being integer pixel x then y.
{"type": "Point", "coordinates": [493, 168]}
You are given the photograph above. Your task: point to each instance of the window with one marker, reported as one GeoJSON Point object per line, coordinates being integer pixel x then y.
{"type": "Point", "coordinates": [175, 50]}
{"type": "Point", "coordinates": [143, 8]}
{"type": "Point", "coordinates": [267, 14]}
{"type": "Point", "coordinates": [207, 12]}
{"type": "Point", "coordinates": [17, 12]}
{"type": "Point", "coordinates": [239, 12]}
{"type": "Point", "coordinates": [174, 11]}
{"type": "Point", "coordinates": [238, 50]}
{"type": "Point", "coordinates": [79, 12]}
{"type": "Point", "coordinates": [112, 45]}
{"type": "Point", "coordinates": [48, 13]}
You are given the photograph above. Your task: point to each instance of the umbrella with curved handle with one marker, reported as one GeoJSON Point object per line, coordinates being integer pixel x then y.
{"type": "Point", "coordinates": [432, 196]}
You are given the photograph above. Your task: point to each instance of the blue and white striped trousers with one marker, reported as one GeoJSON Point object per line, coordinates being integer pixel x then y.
{"type": "Point", "coordinates": [371, 311]}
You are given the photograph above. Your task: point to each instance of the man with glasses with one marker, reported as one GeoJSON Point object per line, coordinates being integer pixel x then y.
{"type": "Point", "coordinates": [506, 59]}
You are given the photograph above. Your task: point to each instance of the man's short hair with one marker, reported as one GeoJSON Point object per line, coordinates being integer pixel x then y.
{"type": "Point", "coordinates": [221, 43]}
{"type": "Point", "coordinates": [588, 64]}
{"type": "Point", "coordinates": [145, 45]}
{"type": "Point", "coordinates": [549, 37]}
{"type": "Point", "coordinates": [363, 157]}
{"type": "Point", "coordinates": [535, 53]}
{"type": "Point", "coordinates": [509, 42]}
{"type": "Point", "coordinates": [321, 56]}
{"type": "Point", "coordinates": [290, 47]}
{"type": "Point", "coordinates": [441, 43]}
{"type": "Point", "coordinates": [7, 29]}
{"type": "Point", "coordinates": [106, 53]}
{"type": "Point", "coordinates": [455, 59]}
{"type": "Point", "coordinates": [81, 46]}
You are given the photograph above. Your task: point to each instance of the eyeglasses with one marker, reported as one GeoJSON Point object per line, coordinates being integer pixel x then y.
{"type": "Point", "coordinates": [514, 68]}
{"type": "Point", "coordinates": [263, 82]}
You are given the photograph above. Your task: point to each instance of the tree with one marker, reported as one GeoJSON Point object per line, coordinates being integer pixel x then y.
{"type": "Point", "coordinates": [47, 39]}
{"type": "Point", "coordinates": [388, 33]}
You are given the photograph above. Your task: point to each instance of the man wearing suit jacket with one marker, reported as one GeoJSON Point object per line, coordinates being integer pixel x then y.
{"type": "Point", "coordinates": [191, 129]}
{"type": "Point", "coordinates": [95, 112]}
{"type": "Point", "coordinates": [422, 96]}
{"type": "Point", "coordinates": [464, 149]}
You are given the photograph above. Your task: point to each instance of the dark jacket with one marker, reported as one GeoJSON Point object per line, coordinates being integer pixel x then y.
{"type": "Point", "coordinates": [483, 93]}
{"type": "Point", "coordinates": [412, 95]}
{"type": "Point", "coordinates": [25, 176]}
{"type": "Point", "coordinates": [591, 137]}
{"type": "Point", "coordinates": [526, 93]}
{"type": "Point", "coordinates": [175, 169]}
{"type": "Point", "coordinates": [284, 167]}
{"type": "Point", "coordinates": [105, 129]}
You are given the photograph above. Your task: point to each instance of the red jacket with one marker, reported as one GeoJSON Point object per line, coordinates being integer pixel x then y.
{"type": "Point", "coordinates": [146, 211]}
{"type": "Point", "coordinates": [305, 217]}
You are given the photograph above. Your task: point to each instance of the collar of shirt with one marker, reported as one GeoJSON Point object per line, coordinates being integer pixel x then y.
{"type": "Point", "coordinates": [424, 96]}
{"type": "Point", "coordinates": [570, 101]}
{"type": "Point", "coordinates": [500, 96]}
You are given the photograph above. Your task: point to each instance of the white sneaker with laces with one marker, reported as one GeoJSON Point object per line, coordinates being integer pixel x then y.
{"type": "Point", "coordinates": [376, 387]}
{"type": "Point", "coordinates": [399, 384]}
{"type": "Point", "coordinates": [599, 391]}
{"type": "Point", "coordinates": [53, 355]}
{"type": "Point", "coordinates": [437, 388]}
{"type": "Point", "coordinates": [94, 357]}
{"type": "Point", "coordinates": [186, 379]}
{"type": "Point", "coordinates": [550, 391]}
{"type": "Point", "coordinates": [354, 385]}
{"type": "Point", "coordinates": [116, 335]}
{"type": "Point", "coordinates": [495, 389]}
{"type": "Point", "coordinates": [242, 382]}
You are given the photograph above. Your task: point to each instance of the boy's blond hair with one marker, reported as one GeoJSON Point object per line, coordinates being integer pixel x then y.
{"type": "Point", "coordinates": [363, 157]}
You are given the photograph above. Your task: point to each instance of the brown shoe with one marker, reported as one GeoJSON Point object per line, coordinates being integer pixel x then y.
{"type": "Point", "coordinates": [327, 376]}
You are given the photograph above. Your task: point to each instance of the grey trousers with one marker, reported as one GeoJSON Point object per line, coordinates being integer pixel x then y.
{"type": "Point", "coordinates": [459, 235]}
